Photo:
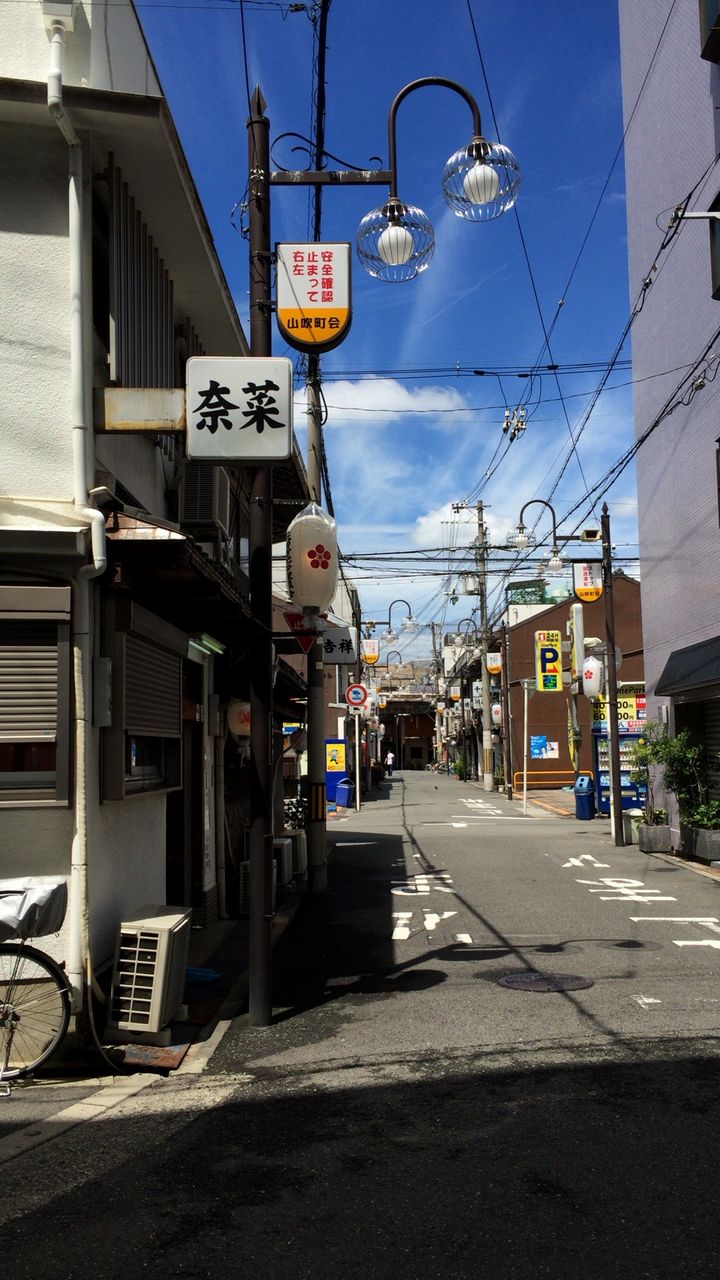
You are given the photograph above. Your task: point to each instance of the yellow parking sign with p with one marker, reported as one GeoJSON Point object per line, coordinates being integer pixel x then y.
{"type": "Point", "coordinates": [548, 661]}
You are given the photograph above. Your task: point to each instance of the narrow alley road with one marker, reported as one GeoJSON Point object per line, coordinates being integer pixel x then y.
{"type": "Point", "coordinates": [495, 1053]}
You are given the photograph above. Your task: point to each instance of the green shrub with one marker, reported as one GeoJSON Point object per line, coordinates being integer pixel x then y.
{"type": "Point", "coordinates": [686, 764]}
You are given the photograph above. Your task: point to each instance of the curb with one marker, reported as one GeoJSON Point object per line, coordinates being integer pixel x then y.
{"type": "Point", "coordinates": [106, 1099]}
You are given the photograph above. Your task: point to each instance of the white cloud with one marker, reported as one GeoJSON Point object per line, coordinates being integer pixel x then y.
{"type": "Point", "coordinates": [377, 402]}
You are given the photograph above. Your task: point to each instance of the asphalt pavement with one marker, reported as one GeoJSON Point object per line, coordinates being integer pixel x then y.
{"type": "Point", "coordinates": [494, 1052]}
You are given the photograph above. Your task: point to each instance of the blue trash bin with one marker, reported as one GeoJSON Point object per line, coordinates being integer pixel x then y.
{"type": "Point", "coordinates": [584, 798]}
{"type": "Point", "coordinates": [345, 793]}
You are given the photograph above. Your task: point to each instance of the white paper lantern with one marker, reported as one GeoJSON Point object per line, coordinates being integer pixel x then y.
{"type": "Point", "coordinates": [238, 718]}
{"type": "Point", "coordinates": [592, 677]}
{"type": "Point", "coordinates": [496, 713]}
{"type": "Point", "coordinates": [312, 563]}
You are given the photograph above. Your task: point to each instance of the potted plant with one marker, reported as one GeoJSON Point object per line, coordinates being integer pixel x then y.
{"type": "Point", "coordinates": [687, 765]}
{"type": "Point", "coordinates": [460, 768]}
{"type": "Point", "coordinates": [651, 827]}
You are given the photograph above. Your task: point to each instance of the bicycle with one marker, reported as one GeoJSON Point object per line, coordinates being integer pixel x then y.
{"type": "Point", "coordinates": [35, 996]}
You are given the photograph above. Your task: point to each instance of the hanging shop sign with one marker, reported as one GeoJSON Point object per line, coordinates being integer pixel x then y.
{"type": "Point", "coordinates": [311, 559]}
{"type": "Point", "coordinates": [587, 581]}
{"type": "Point", "coordinates": [494, 663]}
{"type": "Point", "coordinates": [239, 408]}
{"type": "Point", "coordinates": [370, 652]}
{"type": "Point", "coordinates": [339, 645]}
{"type": "Point", "coordinates": [313, 294]}
{"type": "Point", "coordinates": [548, 661]}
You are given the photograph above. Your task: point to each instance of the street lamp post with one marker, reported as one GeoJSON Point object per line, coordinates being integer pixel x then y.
{"type": "Point", "coordinates": [261, 799]}
{"type": "Point", "coordinates": [612, 691]}
{"type": "Point", "coordinates": [470, 764]}
{"type": "Point", "coordinates": [394, 243]}
{"type": "Point", "coordinates": [524, 538]}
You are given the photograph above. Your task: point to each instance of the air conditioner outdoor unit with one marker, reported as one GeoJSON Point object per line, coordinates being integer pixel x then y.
{"type": "Point", "coordinates": [282, 853]}
{"type": "Point", "coordinates": [149, 974]}
{"type": "Point", "coordinates": [299, 853]}
{"type": "Point", "coordinates": [205, 496]}
{"type": "Point", "coordinates": [245, 888]}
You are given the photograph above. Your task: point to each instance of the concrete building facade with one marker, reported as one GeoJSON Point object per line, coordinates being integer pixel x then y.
{"type": "Point", "coordinates": [671, 98]}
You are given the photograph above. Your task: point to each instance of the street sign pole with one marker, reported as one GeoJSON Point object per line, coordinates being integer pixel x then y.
{"type": "Point", "coordinates": [357, 761]}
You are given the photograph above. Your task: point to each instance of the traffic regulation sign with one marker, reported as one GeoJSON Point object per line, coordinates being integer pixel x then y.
{"type": "Point", "coordinates": [297, 623]}
{"type": "Point", "coordinates": [356, 695]}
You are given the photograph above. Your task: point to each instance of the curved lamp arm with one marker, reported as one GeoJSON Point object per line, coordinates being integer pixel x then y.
{"type": "Point", "coordinates": [390, 609]}
{"type": "Point", "coordinates": [540, 502]}
{"type": "Point", "coordinates": [410, 88]}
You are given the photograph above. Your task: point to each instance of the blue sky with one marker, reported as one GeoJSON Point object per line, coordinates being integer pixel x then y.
{"type": "Point", "coordinates": [411, 430]}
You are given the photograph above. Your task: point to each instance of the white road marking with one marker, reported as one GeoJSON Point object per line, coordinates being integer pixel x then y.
{"type": "Point", "coordinates": [432, 919]}
{"type": "Point", "coordinates": [481, 817]}
{"type": "Point", "coordinates": [482, 804]}
{"type": "Point", "coordinates": [585, 857]}
{"type": "Point", "coordinates": [423, 883]}
{"type": "Point", "coordinates": [402, 925]}
{"type": "Point", "coordinates": [701, 942]}
{"type": "Point", "coordinates": [708, 922]}
{"type": "Point", "coordinates": [622, 890]}
{"type": "Point", "coordinates": [465, 938]}
{"type": "Point", "coordinates": [644, 1001]}
{"type": "Point", "coordinates": [445, 824]}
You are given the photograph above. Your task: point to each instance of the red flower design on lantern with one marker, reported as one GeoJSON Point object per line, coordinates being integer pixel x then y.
{"type": "Point", "coordinates": [319, 557]}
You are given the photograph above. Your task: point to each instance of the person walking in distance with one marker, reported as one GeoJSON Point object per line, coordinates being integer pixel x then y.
{"type": "Point", "coordinates": [389, 762]}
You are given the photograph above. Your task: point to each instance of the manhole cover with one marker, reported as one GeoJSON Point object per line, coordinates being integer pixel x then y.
{"type": "Point", "coordinates": [544, 982]}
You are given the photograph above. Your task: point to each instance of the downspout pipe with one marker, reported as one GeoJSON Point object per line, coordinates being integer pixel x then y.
{"type": "Point", "coordinates": [79, 971]}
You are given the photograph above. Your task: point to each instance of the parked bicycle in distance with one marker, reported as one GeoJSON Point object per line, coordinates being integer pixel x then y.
{"type": "Point", "coordinates": [35, 997]}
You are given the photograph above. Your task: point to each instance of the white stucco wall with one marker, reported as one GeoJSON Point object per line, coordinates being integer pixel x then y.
{"type": "Point", "coordinates": [34, 334]}
{"type": "Point", "coordinates": [127, 864]}
{"type": "Point", "coordinates": [106, 50]}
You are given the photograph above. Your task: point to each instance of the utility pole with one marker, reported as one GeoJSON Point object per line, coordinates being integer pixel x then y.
{"type": "Point", "coordinates": [434, 627]}
{"type": "Point", "coordinates": [317, 842]}
{"type": "Point", "coordinates": [612, 694]}
{"type": "Point", "coordinates": [317, 859]}
{"type": "Point", "coordinates": [261, 797]}
{"type": "Point", "coordinates": [487, 751]}
{"type": "Point", "coordinates": [507, 727]}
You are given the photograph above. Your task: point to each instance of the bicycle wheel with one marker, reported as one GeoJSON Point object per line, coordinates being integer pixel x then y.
{"type": "Point", "coordinates": [34, 1009]}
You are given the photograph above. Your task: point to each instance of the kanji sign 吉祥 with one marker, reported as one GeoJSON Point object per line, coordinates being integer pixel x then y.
{"type": "Point", "coordinates": [313, 294]}
{"type": "Point", "coordinates": [239, 408]}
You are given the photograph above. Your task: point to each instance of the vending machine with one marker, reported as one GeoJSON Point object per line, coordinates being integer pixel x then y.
{"type": "Point", "coordinates": [631, 725]}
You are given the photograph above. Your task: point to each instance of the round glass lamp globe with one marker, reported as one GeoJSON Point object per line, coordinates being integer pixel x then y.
{"type": "Point", "coordinates": [481, 183]}
{"type": "Point", "coordinates": [395, 245]}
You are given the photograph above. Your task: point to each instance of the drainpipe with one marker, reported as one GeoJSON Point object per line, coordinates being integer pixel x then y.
{"type": "Point", "coordinates": [79, 969]}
